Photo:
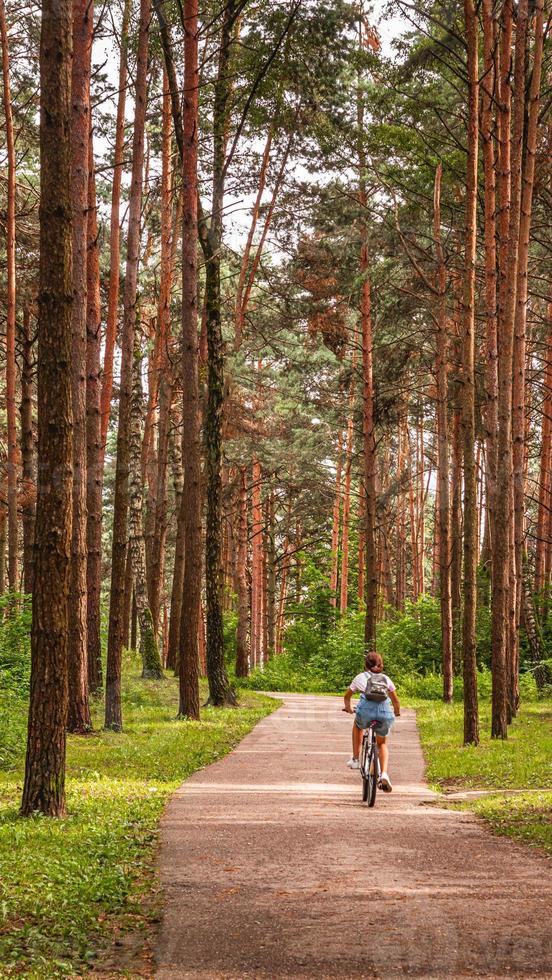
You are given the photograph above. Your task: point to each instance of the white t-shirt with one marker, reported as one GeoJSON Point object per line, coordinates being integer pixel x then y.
{"type": "Point", "coordinates": [359, 682]}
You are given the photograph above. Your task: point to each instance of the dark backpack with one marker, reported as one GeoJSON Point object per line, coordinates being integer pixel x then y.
{"type": "Point", "coordinates": [376, 687]}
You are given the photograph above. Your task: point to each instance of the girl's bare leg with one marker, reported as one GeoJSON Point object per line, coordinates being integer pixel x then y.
{"type": "Point", "coordinates": [357, 741]}
{"type": "Point", "coordinates": [383, 752]}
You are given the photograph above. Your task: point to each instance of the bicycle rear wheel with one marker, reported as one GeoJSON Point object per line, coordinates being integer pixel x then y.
{"type": "Point", "coordinates": [373, 773]}
{"type": "Point", "coordinates": [365, 768]}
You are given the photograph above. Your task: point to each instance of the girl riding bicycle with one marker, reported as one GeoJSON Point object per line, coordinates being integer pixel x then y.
{"type": "Point", "coordinates": [379, 703]}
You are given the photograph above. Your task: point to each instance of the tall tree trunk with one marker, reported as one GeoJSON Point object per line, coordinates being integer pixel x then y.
{"type": "Point", "coordinates": [443, 449]}
{"type": "Point", "coordinates": [280, 619]}
{"type": "Point", "coordinates": [132, 615]}
{"type": "Point", "coordinates": [162, 394]}
{"type": "Point", "coordinates": [456, 541]}
{"type": "Point", "coordinates": [361, 542]}
{"type": "Point", "coordinates": [413, 497]}
{"type": "Point", "coordinates": [545, 486]}
{"type": "Point", "coordinates": [11, 410]}
{"type": "Point", "coordinates": [83, 21]}
{"type": "Point", "coordinates": [471, 714]}
{"type": "Point", "coordinates": [270, 578]}
{"type": "Point", "coordinates": [128, 640]}
{"type": "Point", "coordinates": [115, 231]}
{"type": "Point", "coordinates": [191, 432]}
{"type": "Point", "coordinates": [93, 439]}
{"type": "Point", "coordinates": [44, 786]}
{"type": "Point", "coordinates": [369, 442]}
{"type": "Point", "coordinates": [344, 590]}
{"type": "Point", "coordinates": [335, 522]}
{"type": "Point", "coordinates": [490, 414]}
{"type": "Point", "coordinates": [113, 715]}
{"type": "Point", "coordinates": [520, 332]}
{"type": "Point", "coordinates": [175, 444]}
{"type": "Point", "coordinates": [256, 567]}
{"type": "Point", "coordinates": [28, 495]}
{"type": "Point", "coordinates": [220, 692]}
{"type": "Point", "coordinates": [400, 537]}
{"type": "Point", "coordinates": [151, 661]}
{"type": "Point", "coordinates": [502, 634]}
{"type": "Point", "coordinates": [420, 534]}
{"type": "Point", "coordinates": [3, 527]}
{"type": "Point", "coordinates": [242, 644]}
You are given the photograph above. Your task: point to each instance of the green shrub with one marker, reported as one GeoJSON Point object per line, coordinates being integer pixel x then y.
{"type": "Point", "coordinates": [15, 644]}
{"type": "Point", "coordinates": [15, 669]}
{"type": "Point", "coordinates": [409, 642]}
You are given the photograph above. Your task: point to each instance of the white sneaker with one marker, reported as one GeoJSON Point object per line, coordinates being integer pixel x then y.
{"type": "Point", "coordinates": [385, 783]}
{"type": "Point", "coordinates": [353, 763]}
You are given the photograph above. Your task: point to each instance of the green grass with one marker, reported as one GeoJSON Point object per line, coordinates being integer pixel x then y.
{"type": "Point", "coordinates": [523, 762]}
{"type": "Point", "coordinates": [66, 885]}
{"type": "Point", "coordinates": [527, 817]}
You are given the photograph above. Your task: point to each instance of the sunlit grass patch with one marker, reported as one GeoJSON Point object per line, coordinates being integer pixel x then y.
{"type": "Point", "coordinates": [526, 817]}
{"type": "Point", "coordinates": [524, 761]}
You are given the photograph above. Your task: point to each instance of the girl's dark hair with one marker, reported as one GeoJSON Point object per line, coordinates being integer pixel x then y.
{"type": "Point", "coordinates": [373, 661]}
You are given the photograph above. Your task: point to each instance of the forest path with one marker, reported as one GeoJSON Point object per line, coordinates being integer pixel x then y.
{"type": "Point", "coordinates": [273, 868]}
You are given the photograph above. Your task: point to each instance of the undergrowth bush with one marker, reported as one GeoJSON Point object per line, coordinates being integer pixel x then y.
{"type": "Point", "coordinates": [318, 660]}
{"type": "Point", "coordinates": [15, 669]}
{"type": "Point", "coordinates": [15, 645]}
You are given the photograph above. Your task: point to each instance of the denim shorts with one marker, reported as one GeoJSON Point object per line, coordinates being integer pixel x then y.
{"type": "Point", "coordinates": [378, 711]}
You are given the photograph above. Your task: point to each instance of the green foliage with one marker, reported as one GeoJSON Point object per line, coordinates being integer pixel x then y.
{"type": "Point", "coordinates": [230, 623]}
{"type": "Point", "coordinates": [63, 883]}
{"type": "Point", "coordinates": [315, 609]}
{"type": "Point", "coordinates": [15, 632]}
{"type": "Point", "coordinates": [15, 668]}
{"type": "Point", "coordinates": [316, 659]}
{"type": "Point", "coordinates": [527, 817]}
{"type": "Point", "coordinates": [319, 660]}
{"type": "Point", "coordinates": [413, 639]}
{"type": "Point", "coordinates": [152, 667]}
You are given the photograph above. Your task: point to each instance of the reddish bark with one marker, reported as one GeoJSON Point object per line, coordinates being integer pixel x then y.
{"type": "Point", "coordinates": [160, 394]}
{"type": "Point", "coordinates": [520, 335]}
{"type": "Point", "coordinates": [242, 635]}
{"type": "Point", "coordinates": [93, 438]}
{"type": "Point", "coordinates": [510, 200]}
{"type": "Point", "coordinates": [400, 538]}
{"type": "Point", "coordinates": [443, 481]}
{"type": "Point", "coordinates": [361, 542]}
{"type": "Point", "coordinates": [113, 715]}
{"type": "Point", "coordinates": [490, 415]}
{"type": "Point", "coordinates": [11, 409]}
{"type": "Point", "coordinates": [471, 721]}
{"type": "Point", "coordinates": [542, 549]}
{"type": "Point", "coordinates": [369, 442]}
{"type": "Point", "coordinates": [28, 504]}
{"type": "Point", "coordinates": [178, 568]}
{"type": "Point", "coordinates": [44, 786]}
{"type": "Point", "coordinates": [335, 522]}
{"type": "Point", "coordinates": [83, 18]}
{"type": "Point", "coordinates": [257, 651]}
{"type": "Point", "coordinates": [115, 231]}
{"type": "Point", "coordinates": [344, 590]}
{"type": "Point", "coordinates": [191, 432]}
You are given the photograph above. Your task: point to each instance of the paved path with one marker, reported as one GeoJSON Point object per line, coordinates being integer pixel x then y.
{"type": "Point", "coordinates": [273, 868]}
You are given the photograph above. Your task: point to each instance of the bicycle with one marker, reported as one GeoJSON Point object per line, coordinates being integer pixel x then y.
{"type": "Point", "coordinates": [369, 764]}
